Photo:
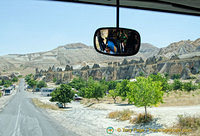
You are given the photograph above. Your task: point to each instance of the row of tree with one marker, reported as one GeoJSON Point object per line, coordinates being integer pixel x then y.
{"type": "Point", "coordinates": [34, 83]}
{"type": "Point", "coordinates": [144, 92]}
{"type": "Point", "coordinates": [7, 83]}
{"type": "Point", "coordinates": [98, 89]}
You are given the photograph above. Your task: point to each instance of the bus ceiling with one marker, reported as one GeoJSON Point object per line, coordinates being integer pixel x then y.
{"type": "Point", "coordinates": [186, 7]}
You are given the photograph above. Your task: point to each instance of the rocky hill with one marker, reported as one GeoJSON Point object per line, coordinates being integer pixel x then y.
{"type": "Point", "coordinates": [79, 55]}
{"type": "Point", "coordinates": [182, 49]}
{"type": "Point", "coordinates": [70, 54]}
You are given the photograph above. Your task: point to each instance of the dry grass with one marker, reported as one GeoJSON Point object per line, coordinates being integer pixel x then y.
{"type": "Point", "coordinates": [189, 125]}
{"type": "Point", "coordinates": [173, 98]}
{"type": "Point", "coordinates": [181, 98]}
{"type": "Point", "coordinates": [141, 118]}
{"type": "Point", "coordinates": [121, 115]}
{"type": "Point", "coordinates": [40, 104]}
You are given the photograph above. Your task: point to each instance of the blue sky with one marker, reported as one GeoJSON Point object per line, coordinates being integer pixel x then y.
{"type": "Point", "coordinates": [28, 26]}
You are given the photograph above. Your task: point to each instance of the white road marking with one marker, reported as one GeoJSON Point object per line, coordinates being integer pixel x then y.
{"type": "Point", "coordinates": [16, 124]}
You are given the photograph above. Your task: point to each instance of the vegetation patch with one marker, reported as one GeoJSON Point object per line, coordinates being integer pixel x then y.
{"type": "Point", "coordinates": [188, 125]}
{"type": "Point", "coordinates": [141, 118]}
{"type": "Point", "coordinates": [43, 105]}
{"type": "Point", "coordinates": [121, 115]}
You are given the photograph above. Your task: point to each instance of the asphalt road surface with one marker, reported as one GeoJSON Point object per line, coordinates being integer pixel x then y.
{"type": "Point", "coordinates": [21, 118]}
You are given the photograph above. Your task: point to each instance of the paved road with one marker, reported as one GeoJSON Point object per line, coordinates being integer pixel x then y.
{"type": "Point", "coordinates": [21, 118]}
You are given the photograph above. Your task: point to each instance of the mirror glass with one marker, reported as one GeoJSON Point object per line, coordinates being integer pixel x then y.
{"type": "Point", "coordinates": [117, 42]}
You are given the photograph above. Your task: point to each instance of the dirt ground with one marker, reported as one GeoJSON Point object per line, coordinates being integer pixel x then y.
{"type": "Point", "coordinates": [91, 119]}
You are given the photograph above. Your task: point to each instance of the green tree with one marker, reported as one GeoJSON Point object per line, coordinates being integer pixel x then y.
{"type": "Point", "coordinates": [6, 83]}
{"type": "Point", "coordinates": [145, 92]}
{"type": "Point", "coordinates": [62, 94]}
{"type": "Point", "coordinates": [105, 83]}
{"type": "Point", "coordinates": [177, 84]}
{"type": "Point", "coordinates": [15, 79]}
{"type": "Point", "coordinates": [123, 89]}
{"type": "Point", "coordinates": [163, 79]}
{"type": "Point", "coordinates": [112, 84]}
{"type": "Point", "coordinates": [32, 83]}
{"type": "Point", "coordinates": [96, 91]}
{"type": "Point", "coordinates": [41, 84]}
{"type": "Point", "coordinates": [113, 93]}
{"type": "Point", "coordinates": [78, 83]}
{"type": "Point", "coordinates": [93, 89]}
{"type": "Point", "coordinates": [28, 77]}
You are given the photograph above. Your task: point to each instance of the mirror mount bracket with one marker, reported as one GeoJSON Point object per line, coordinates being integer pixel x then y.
{"type": "Point", "coordinates": [117, 3]}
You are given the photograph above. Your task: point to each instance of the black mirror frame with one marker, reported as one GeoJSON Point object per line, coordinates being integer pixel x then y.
{"type": "Point", "coordinates": [94, 40]}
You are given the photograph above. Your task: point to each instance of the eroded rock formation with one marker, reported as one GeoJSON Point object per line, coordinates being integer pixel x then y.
{"type": "Point", "coordinates": [125, 69]}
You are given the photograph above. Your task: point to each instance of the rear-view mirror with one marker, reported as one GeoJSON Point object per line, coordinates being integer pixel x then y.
{"type": "Point", "coordinates": [117, 41]}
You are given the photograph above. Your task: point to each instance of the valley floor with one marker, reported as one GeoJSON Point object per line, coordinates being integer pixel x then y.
{"type": "Point", "coordinates": [91, 119]}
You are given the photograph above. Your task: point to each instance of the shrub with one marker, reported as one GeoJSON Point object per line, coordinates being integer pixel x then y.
{"type": "Point", "coordinates": [189, 86]}
{"type": "Point", "coordinates": [177, 85]}
{"type": "Point", "coordinates": [121, 115]}
{"type": "Point", "coordinates": [188, 122]}
{"type": "Point", "coordinates": [114, 115]}
{"type": "Point", "coordinates": [176, 76]}
{"type": "Point", "coordinates": [125, 115]}
{"type": "Point", "coordinates": [188, 125]}
{"type": "Point", "coordinates": [20, 76]}
{"type": "Point", "coordinates": [41, 84]}
{"type": "Point", "coordinates": [141, 118]}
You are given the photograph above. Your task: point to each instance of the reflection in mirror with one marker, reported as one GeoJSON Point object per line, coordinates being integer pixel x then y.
{"type": "Point", "coordinates": [117, 42]}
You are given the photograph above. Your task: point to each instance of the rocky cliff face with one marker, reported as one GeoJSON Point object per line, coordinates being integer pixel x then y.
{"type": "Point", "coordinates": [128, 69]}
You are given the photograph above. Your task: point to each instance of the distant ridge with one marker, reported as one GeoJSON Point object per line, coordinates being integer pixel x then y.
{"type": "Point", "coordinates": [78, 53]}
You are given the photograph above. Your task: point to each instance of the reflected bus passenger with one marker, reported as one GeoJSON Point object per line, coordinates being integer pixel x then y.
{"type": "Point", "coordinates": [101, 41]}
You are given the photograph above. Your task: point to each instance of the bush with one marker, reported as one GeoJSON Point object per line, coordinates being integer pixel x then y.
{"type": "Point", "coordinates": [41, 84]}
{"type": "Point", "coordinates": [114, 115]}
{"type": "Point", "coordinates": [121, 115]}
{"type": "Point", "coordinates": [189, 86]}
{"type": "Point", "coordinates": [141, 118]}
{"type": "Point", "coordinates": [176, 76]}
{"type": "Point", "coordinates": [188, 122]}
{"type": "Point", "coordinates": [177, 85]}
